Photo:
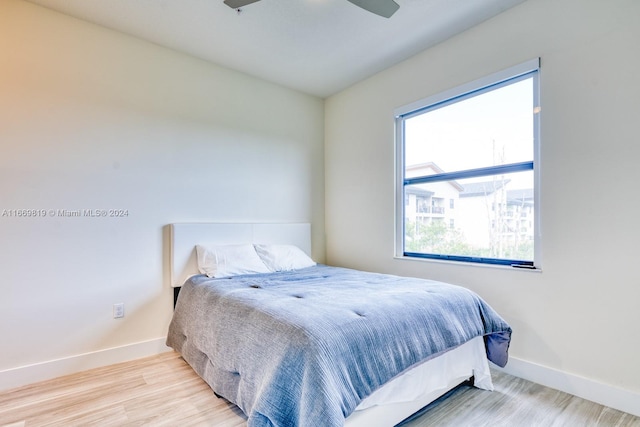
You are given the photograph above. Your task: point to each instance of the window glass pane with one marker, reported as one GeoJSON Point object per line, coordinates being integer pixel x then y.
{"type": "Point", "coordinates": [493, 217]}
{"type": "Point", "coordinates": [492, 128]}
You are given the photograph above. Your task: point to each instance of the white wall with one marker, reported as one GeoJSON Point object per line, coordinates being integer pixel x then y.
{"type": "Point", "coordinates": [94, 119]}
{"type": "Point", "coordinates": [580, 316]}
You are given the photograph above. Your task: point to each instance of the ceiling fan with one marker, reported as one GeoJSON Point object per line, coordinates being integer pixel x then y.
{"type": "Point", "coordinates": [384, 8]}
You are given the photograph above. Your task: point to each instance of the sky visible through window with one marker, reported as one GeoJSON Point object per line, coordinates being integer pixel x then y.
{"type": "Point", "coordinates": [491, 129]}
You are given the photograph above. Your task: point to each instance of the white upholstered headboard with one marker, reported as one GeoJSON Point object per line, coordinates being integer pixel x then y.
{"type": "Point", "coordinates": [184, 238]}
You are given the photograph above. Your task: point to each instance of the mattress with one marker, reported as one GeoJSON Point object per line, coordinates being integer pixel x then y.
{"type": "Point", "coordinates": [420, 385]}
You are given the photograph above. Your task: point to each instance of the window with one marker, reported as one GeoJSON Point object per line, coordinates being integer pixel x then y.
{"type": "Point", "coordinates": [475, 146]}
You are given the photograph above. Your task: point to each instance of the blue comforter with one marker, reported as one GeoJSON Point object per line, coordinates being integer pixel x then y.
{"type": "Point", "coordinates": [303, 348]}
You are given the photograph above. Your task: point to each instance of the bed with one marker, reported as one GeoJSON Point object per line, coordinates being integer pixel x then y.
{"type": "Point", "coordinates": [298, 347]}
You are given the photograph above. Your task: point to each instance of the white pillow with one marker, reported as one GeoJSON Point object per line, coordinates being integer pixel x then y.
{"type": "Point", "coordinates": [229, 260]}
{"type": "Point", "coordinates": [283, 257]}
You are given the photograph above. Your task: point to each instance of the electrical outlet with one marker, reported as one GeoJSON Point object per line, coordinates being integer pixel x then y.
{"type": "Point", "coordinates": [118, 310]}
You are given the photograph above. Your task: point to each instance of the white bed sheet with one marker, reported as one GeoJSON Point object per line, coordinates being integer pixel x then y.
{"type": "Point", "coordinates": [423, 383]}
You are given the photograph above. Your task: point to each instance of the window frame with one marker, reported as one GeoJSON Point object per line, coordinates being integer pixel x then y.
{"type": "Point", "coordinates": [477, 87]}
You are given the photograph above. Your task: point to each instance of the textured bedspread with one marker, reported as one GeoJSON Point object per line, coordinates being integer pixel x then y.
{"type": "Point", "coordinates": [303, 348]}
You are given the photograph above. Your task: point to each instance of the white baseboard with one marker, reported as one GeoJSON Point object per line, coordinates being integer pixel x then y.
{"type": "Point", "coordinates": [613, 397]}
{"type": "Point", "coordinates": [23, 375]}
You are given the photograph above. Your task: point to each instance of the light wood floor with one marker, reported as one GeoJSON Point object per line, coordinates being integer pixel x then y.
{"type": "Point", "coordinates": [163, 391]}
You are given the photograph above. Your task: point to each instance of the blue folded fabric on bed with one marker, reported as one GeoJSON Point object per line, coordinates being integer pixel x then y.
{"type": "Point", "coordinates": [304, 347]}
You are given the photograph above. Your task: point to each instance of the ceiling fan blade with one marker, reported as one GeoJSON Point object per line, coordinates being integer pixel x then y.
{"type": "Point", "coordinates": [236, 4]}
{"type": "Point", "coordinates": [384, 8]}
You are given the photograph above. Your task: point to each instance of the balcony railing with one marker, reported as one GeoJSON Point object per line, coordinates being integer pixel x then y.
{"type": "Point", "coordinates": [430, 209]}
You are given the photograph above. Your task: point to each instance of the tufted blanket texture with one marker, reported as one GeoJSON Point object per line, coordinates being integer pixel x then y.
{"type": "Point", "coordinates": [303, 348]}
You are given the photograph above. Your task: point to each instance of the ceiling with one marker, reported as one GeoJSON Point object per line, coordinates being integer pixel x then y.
{"type": "Point", "coordinates": [315, 46]}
